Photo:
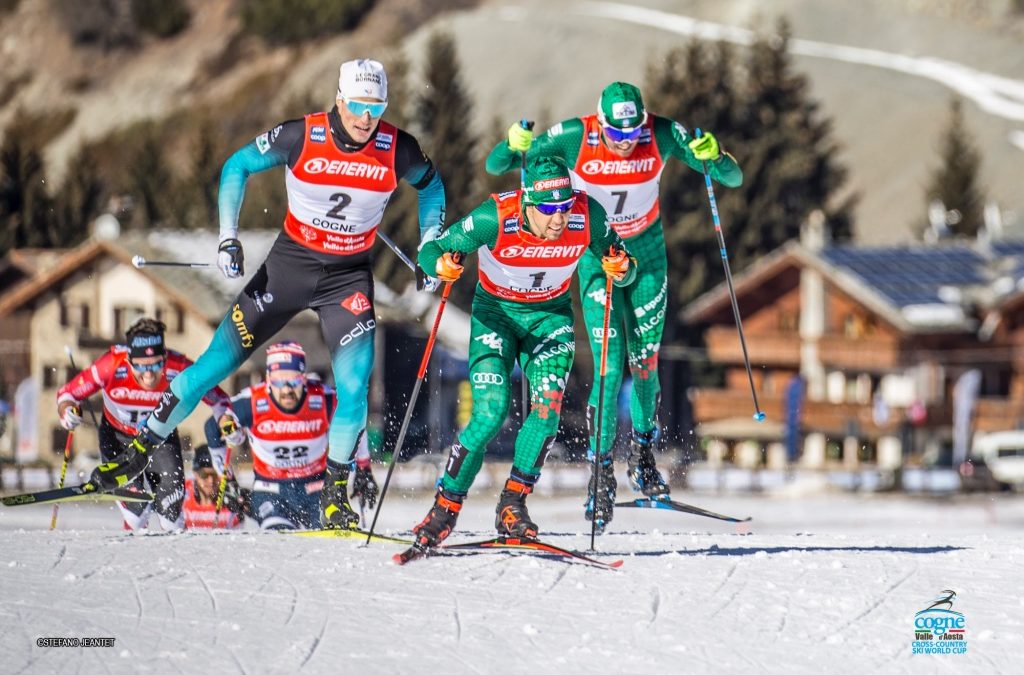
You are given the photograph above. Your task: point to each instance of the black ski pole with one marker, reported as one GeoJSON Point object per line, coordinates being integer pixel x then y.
{"type": "Point", "coordinates": [758, 415]}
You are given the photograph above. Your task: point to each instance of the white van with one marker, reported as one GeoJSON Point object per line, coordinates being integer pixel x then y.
{"type": "Point", "coordinates": [1003, 453]}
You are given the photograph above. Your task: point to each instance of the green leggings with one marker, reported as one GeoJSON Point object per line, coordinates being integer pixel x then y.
{"type": "Point", "coordinates": [635, 327]}
{"type": "Point", "coordinates": [540, 337]}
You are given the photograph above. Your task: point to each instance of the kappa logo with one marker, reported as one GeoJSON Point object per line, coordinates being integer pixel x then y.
{"type": "Point", "coordinates": [357, 303]}
{"type": "Point", "coordinates": [493, 341]}
{"type": "Point", "coordinates": [318, 133]}
{"type": "Point", "coordinates": [263, 143]}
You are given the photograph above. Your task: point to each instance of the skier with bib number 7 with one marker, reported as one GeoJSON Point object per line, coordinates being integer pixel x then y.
{"type": "Point", "coordinates": [617, 155]}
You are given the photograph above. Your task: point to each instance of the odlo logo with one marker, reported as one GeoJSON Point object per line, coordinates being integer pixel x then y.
{"type": "Point", "coordinates": [238, 318]}
{"type": "Point", "coordinates": [940, 630]}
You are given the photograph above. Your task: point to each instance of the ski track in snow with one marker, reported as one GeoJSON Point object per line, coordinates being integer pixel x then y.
{"type": "Point", "coordinates": [828, 583]}
{"type": "Point", "coordinates": [996, 95]}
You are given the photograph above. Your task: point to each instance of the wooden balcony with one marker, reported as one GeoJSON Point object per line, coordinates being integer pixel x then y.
{"type": "Point", "coordinates": [775, 349]}
{"type": "Point", "coordinates": [994, 414]}
{"type": "Point", "coordinates": [874, 354]}
{"type": "Point", "coordinates": [834, 419]}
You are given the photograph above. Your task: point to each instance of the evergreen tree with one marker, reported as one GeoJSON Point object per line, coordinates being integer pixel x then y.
{"type": "Point", "coordinates": [955, 182]}
{"type": "Point", "coordinates": [150, 180]}
{"type": "Point", "coordinates": [444, 113]}
{"type": "Point", "coordinates": [25, 205]}
{"type": "Point", "coordinates": [80, 198]}
{"type": "Point", "coordinates": [789, 159]}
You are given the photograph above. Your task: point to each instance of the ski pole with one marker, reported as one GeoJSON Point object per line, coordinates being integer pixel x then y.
{"type": "Point", "coordinates": [85, 403]}
{"type": "Point", "coordinates": [139, 262]}
{"type": "Point", "coordinates": [412, 404]}
{"type": "Point", "coordinates": [223, 484]}
{"type": "Point", "coordinates": [758, 415]}
{"type": "Point", "coordinates": [63, 473]}
{"type": "Point", "coordinates": [394, 247]}
{"type": "Point", "coordinates": [67, 444]}
{"type": "Point", "coordinates": [600, 406]}
{"type": "Point", "coordinates": [525, 388]}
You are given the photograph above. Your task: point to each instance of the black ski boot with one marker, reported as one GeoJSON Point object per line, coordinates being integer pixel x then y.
{"type": "Point", "coordinates": [335, 511]}
{"type": "Point", "coordinates": [133, 462]}
{"type": "Point", "coordinates": [513, 520]}
{"type": "Point", "coordinates": [605, 495]}
{"type": "Point", "coordinates": [643, 472]}
{"type": "Point", "coordinates": [440, 519]}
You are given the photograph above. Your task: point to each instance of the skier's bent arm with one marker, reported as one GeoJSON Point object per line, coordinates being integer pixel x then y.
{"type": "Point", "coordinates": [415, 167]}
{"type": "Point", "coordinates": [479, 228]}
{"type": "Point", "coordinates": [676, 138]}
{"type": "Point", "coordinates": [604, 237]}
{"type": "Point", "coordinates": [266, 151]}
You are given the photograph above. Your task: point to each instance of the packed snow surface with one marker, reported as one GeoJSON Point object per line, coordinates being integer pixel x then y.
{"type": "Point", "coordinates": [824, 583]}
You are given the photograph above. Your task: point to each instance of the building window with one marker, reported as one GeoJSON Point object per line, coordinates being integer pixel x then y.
{"type": "Point", "coordinates": [787, 322]}
{"type": "Point", "coordinates": [64, 322]}
{"type": "Point", "coordinates": [84, 308]}
{"type": "Point", "coordinates": [179, 319]}
{"type": "Point", "coordinates": [125, 317]}
{"type": "Point", "coordinates": [49, 377]}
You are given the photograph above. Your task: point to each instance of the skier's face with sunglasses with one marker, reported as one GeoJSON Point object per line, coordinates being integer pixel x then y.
{"type": "Point", "coordinates": [148, 370]}
{"type": "Point", "coordinates": [547, 220]}
{"type": "Point", "coordinates": [360, 116]}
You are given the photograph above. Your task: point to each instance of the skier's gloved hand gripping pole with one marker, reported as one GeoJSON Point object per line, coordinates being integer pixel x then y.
{"type": "Point", "coordinates": [600, 395]}
{"type": "Point", "coordinates": [67, 443]}
{"type": "Point", "coordinates": [758, 415]}
{"type": "Point", "coordinates": [451, 263]}
{"type": "Point", "coordinates": [520, 137]}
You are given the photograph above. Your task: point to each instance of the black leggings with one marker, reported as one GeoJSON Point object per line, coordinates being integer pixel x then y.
{"type": "Point", "coordinates": [165, 473]}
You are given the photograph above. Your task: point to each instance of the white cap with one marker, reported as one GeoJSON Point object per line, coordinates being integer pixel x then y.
{"type": "Point", "coordinates": [363, 78]}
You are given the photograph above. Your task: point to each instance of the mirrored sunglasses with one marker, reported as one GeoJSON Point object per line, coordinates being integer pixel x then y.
{"type": "Point", "coordinates": [290, 384]}
{"type": "Point", "coordinates": [616, 135]}
{"type": "Point", "coordinates": [360, 108]}
{"type": "Point", "coordinates": [551, 208]}
{"type": "Point", "coordinates": [148, 367]}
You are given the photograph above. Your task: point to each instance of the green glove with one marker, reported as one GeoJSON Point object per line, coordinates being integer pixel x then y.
{"type": "Point", "coordinates": [519, 139]}
{"type": "Point", "coordinates": [705, 148]}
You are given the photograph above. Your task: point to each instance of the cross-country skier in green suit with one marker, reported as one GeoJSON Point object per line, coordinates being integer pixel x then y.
{"type": "Point", "coordinates": [529, 242]}
{"type": "Point", "coordinates": [617, 156]}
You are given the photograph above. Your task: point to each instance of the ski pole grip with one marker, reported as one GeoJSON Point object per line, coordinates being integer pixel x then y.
{"type": "Point", "coordinates": [526, 124]}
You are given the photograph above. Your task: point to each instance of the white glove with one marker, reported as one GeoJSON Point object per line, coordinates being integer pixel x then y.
{"type": "Point", "coordinates": [424, 282]}
{"type": "Point", "coordinates": [231, 259]}
{"type": "Point", "coordinates": [71, 418]}
{"type": "Point", "coordinates": [218, 455]}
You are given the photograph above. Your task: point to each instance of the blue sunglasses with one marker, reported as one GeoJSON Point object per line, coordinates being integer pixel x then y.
{"type": "Point", "coordinates": [360, 108]}
{"type": "Point", "coordinates": [291, 384]}
{"type": "Point", "coordinates": [148, 367]}
{"type": "Point", "coordinates": [551, 208]}
{"type": "Point", "coordinates": [616, 135]}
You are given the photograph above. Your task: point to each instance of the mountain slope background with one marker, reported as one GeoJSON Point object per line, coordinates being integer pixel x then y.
{"type": "Point", "coordinates": [548, 61]}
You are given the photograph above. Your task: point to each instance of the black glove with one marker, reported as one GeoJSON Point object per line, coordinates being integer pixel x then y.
{"type": "Point", "coordinates": [364, 487]}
